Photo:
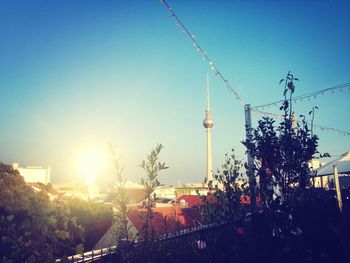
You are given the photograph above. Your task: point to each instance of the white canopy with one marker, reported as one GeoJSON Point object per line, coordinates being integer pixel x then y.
{"type": "Point", "coordinates": [342, 163]}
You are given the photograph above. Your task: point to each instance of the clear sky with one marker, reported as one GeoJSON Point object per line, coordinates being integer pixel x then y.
{"type": "Point", "coordinates": [82, 73]}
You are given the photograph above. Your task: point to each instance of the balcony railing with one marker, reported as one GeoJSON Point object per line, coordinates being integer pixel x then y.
{"type": "Point", "coordinates": [199, 241]}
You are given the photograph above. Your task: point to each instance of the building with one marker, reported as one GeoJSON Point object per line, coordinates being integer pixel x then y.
{"type": "Point", "coordinates": [34, 174]}
{"type": "Point", "coordinates": [321, 181]}
{"type": "Point", "coordinates": [79, 190]}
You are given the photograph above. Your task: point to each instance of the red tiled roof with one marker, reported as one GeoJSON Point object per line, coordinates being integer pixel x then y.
{"type": "Point", "coordinates": [166, 219]}
{"type": "Point", "coordinates": [191, 200]}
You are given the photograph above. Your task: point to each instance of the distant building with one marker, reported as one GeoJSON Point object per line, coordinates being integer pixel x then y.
{"type": "Point", "coordinates": [164, 191]}
{"type": "Point", "coordinates": [51, 192]}
{"type": "Point", "coordinates": [315, 164]}
{"type": "Point", "coordinates": [321, 181]}
{"type": "Point", "coordinates": [77, 189]}
{"type": "Point", "coordinates": [34, 174]}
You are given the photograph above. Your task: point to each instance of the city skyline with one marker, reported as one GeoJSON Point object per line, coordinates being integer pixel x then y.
{"type": "Point", "coordinates": [79, 75]}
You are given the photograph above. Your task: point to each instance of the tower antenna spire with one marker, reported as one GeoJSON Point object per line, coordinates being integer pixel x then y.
{"type": "Point", "coordinates": [207, 91]}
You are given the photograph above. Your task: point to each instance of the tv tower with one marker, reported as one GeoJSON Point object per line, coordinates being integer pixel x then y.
{"type": "Point", "coordinates": [208, 124]}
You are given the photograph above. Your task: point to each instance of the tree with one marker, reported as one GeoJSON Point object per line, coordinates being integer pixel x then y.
{"type": "Point", "coordinates": [282, 153]}
{"type": "Point", "coordinates": [95, 218]}
{"type": "Point", "coordinates": [286, 227]}
{"type": "Point", "coordinates": [34, 229]}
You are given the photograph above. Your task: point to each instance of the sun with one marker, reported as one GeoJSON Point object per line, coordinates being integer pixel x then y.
{"type": "Point", "coordinates": [91, 163]}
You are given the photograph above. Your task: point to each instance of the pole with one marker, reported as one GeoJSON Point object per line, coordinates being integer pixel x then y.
{"type": "Point", "coordinates": [337, 187]}
{"type": "Point", "coordinates": [250, 172]}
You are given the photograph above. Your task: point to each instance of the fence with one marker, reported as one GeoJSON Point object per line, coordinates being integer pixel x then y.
{"type": "Point", "coordinates": [206, 241]}
{"type": "Point", "coordinates": [90, 256]}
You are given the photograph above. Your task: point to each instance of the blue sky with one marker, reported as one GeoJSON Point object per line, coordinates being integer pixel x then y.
{"type": "Point", "coordinates": [79, 74]}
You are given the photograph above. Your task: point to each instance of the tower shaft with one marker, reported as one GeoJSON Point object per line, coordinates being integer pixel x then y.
{"type": "Point", "coordinates": [209, 158]}
{"type": "Point", "coordinates": [208, 124]}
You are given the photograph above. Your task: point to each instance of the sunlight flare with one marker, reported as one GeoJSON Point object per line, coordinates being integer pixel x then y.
{"type": "Point", "coordinates": [91, 162]}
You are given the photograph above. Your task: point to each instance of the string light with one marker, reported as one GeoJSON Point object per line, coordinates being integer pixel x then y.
{"type": "Point", "coordinates": [308, 95]}
{"type": "Point", "coordinates": [195, 43]}
{"type": "Point", "coordinates": [322, 128]}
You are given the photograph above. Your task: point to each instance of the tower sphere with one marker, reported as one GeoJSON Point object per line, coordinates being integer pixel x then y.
{"type": "Point", "coordinates": [208, 122]}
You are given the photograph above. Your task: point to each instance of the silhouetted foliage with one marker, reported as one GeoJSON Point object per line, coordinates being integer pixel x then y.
{"type": "Point", "coordinates": [224, 200]}
{"type": "Point", "coordinates": [121, 200]}
{"type": "Point", "coordinates": [152, 166]}
{"type": "Point", "coordinates": [282, 153]}
{"type": "Point", "coordinates": [33, 228]}
{"type": "Point", "coordinates": [95, 218]}
{"type": "Point", "coordinates": [296, 223]}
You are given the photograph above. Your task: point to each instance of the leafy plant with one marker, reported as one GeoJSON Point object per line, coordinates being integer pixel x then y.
{"type": "Point", "coordinates": [282, 152]}
{"type": "Point", "coordinates": [95, 218]}
{"type": "Point", "coordinates": [121, 199]}
{"type": "Point", "coordinates": [224, 200]}
{"type": "Point", "coordinates": [33, 228]}
{"type": "Point", "coordinates": [152, 166]}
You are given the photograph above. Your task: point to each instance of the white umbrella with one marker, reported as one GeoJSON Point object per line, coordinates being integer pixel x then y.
{"type": "Point", "coordinates": [342, 163]}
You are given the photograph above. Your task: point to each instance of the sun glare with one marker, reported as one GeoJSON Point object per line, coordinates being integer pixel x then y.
{"type": "Point", "coordinates": [91, 162]}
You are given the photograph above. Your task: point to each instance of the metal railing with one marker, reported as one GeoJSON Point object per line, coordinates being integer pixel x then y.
{"type": "Point", "coordinates": [90, 256]}
{"type": "Point", "coordinates": [204, 239]}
